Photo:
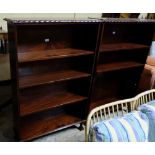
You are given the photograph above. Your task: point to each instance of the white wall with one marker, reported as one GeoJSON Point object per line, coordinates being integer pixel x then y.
{"type": "Point", "coordinates": [4, 59]}
{"type": "Point", "coordinates": [86, 15]}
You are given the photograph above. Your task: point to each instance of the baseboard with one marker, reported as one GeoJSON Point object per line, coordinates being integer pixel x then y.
{"type": "Point", "coordinates": [5, 82]}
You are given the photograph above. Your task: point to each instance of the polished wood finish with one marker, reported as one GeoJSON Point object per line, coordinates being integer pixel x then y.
{"type": "Point", "coordinates": [45, 78]}
{"type": "Point", "coordinates": [61, 69]}
{"type": "Point", "coordinates": [50, 54]}
{"type": "Point", "coordinates": [121, 46]}
{"type": "Point", "coordinates": [117, 66]}
{"type": "Point", "coordinates": [35, 102]}
{"type": "Point", "coordinates": [32, 128]}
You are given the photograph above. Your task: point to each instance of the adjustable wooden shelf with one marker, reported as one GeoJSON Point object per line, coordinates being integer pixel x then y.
{"type": "Point", "coordinates": [48, 54]}
{"type": "Point", "coordinates": [61, 69]}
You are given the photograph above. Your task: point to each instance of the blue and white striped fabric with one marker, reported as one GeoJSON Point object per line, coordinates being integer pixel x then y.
{"type": "Point", "coordinates": [149, 110]}
{"type": "Point", "coordinates": [133, 127]}
{"type": "Point", "coordinates": [151, 103]}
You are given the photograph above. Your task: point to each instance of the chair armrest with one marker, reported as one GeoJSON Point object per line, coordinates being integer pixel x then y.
{"type": "Point", "coordinates": [150, 61]}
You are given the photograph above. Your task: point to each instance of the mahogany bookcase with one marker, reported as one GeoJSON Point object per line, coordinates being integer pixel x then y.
{"type": "Point", "coordinates": [61, 69]}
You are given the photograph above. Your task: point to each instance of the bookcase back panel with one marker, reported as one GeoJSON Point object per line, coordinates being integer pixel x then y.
{"type": "Point", "coordinates": [126, 32]}
{"type": "Point", "coordinates": [51, 37]}
{"type": "Point", "coordinates": [77, 86]}
{"type": "Point", "coordinates": [121, 84]}
{"type": "Point", "coordinates": [138, 55]}
{"type": "Point", "coordinates": [56, 65]}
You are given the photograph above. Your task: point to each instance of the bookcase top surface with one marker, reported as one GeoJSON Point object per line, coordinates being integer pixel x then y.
{"type": "Point", "coordinates": [20, 21]}
{"type": "Point", "coordinates": [49, 20]}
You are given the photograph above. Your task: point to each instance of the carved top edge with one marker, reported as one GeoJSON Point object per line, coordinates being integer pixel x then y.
{"type": "Point", "coordinates": [88, 20]}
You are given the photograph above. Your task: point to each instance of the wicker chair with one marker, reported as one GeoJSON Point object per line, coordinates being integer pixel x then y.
{"type": "Point", "coordinates": [118, 108]}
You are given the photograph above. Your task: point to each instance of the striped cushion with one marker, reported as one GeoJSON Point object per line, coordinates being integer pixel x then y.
{"type": "Point", "coordinates": [149, 110]}
{"type": "Point", "coordinates": [132, 127]}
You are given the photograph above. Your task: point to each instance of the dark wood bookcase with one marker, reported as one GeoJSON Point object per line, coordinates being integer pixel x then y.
{"type": "Point", "coordinates": [122, 53]}
{"type": "Point", "coordinates": [61, 69]}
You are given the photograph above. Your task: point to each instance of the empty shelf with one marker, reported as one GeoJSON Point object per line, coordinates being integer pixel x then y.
{"type": "Point", "coordinates": [117, 66]}
{"type": "Point", "coordinates": [33, 128]}
{"type": "Point", "coordinates": [50, 54]}
{"type": "Point", "coordinates": [121, 46]}
{"type": "Point", "coordinates": [33, 103]}
{"type": "Point", "coordinates": [50, 77]}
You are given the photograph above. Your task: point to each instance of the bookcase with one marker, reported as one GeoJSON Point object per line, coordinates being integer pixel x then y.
{"type": "Point", "coordinates": [61, 69]}
{"type": "Point", "coordinates": [52, 64]}
{"type": "Point", "coordinates": [122, 53]}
